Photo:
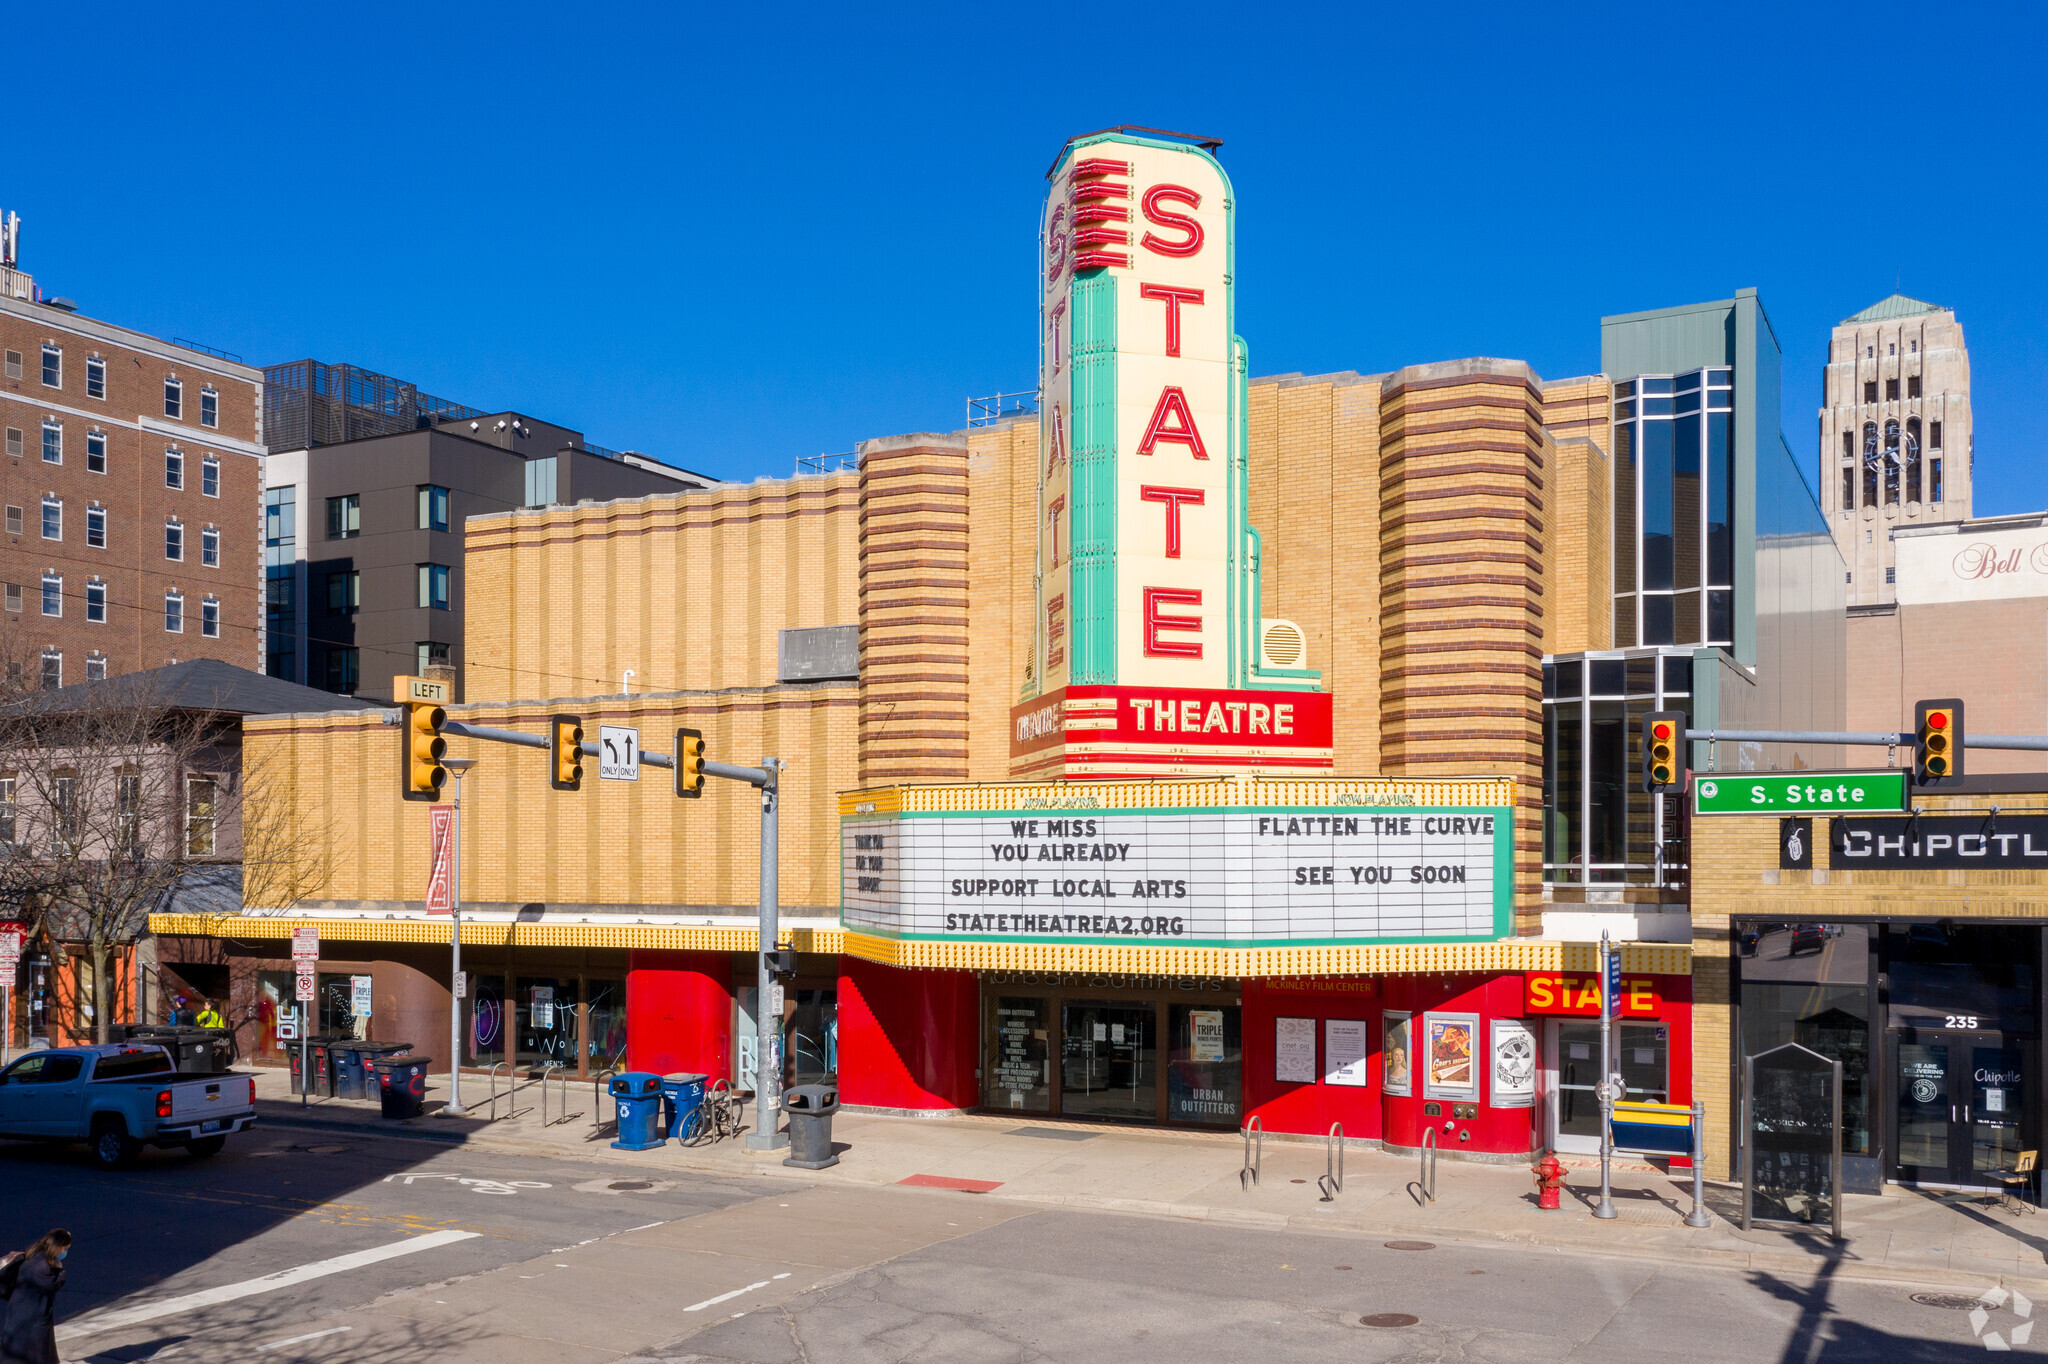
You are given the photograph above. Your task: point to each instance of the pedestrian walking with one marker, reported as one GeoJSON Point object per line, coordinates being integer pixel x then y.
{"type": "Point", "coordinates": [28, 1316]}
{"type": "Point", "coordinates": [209, 1017]}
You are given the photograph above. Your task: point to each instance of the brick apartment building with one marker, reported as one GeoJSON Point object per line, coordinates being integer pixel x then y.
{"type": "Point", "coordinates": [132, 493]}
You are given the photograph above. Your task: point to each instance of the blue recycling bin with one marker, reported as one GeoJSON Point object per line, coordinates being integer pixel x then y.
{"type": "Point", "coordinates": [638, 1097]}
{"type": "Point", "coordinates": [681, 1096]}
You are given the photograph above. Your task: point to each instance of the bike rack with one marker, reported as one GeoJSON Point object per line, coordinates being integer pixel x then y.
{"type": "Point", "coordinates": [719, 1093]}
{"type": "Point", "coordinates": [598, 1090]}
{"type": "Point", "coordinates": [491, 1078]}
{"type": "Point", "coordinates": [550, 1069]}
{"type": "Point", "coordinates": [1248, 1177]}
{"type": "Point", "coordinates": [1331, 1181]}
{"type": "Point", "coordinates": [1425, 1178]}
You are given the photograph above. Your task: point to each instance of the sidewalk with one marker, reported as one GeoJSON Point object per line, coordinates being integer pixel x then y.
{"type": "Point", "coordinates": [1904, 1236]}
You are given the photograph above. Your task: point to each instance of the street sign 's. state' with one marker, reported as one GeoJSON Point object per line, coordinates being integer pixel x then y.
{"type": "Point", "coordinates": [1798, 793]}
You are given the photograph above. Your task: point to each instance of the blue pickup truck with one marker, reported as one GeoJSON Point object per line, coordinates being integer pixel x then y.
{"type": "Point", "coordinates": [119, 1099]}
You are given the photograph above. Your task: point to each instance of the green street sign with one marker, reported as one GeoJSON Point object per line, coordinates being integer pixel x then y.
{"type": "Point", "coordinates": [1798, 793]}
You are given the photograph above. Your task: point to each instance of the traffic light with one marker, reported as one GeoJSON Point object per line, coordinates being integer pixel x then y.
{"type": "Point", "coordinates": [565, 752]}
{"type": "Point", "coordinates": [1938, 743]}
{"type": "Point", "coordinates": [690, 763]}
{"type": "Point", "coordinates": [1663, 749]}
{"type": "Point", "coordinates": [424, 749]}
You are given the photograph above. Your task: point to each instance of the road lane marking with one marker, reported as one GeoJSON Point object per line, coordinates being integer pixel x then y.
{"type": "Point", "coordinates": [283, 1278]}
{"type": "Point", "coordinates": [726, 1297]}
{"type": "Point", "coordinates": [300, 1340]}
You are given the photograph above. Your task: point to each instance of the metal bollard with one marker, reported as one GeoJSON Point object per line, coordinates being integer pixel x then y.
{"type": "Point", "coordinates": [1698, 1216]}
{"type": "Point", "coordinates": [1425, 1177]}
{"type": "Point", "coordinates": [1248, 1177]}
{"type": "Point", "coordinates": [1331, 1181]}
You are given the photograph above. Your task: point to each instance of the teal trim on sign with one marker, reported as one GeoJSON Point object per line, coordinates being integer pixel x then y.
{"type": "Point", "coordinates": [1092, 519]}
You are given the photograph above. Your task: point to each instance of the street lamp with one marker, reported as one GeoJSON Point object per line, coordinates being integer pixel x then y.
{"type": "Point", "coordinates": [453, 1108]}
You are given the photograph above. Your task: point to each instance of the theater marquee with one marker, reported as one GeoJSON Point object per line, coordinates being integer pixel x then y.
{"type": "Point", "coordinates": [1182, 864]}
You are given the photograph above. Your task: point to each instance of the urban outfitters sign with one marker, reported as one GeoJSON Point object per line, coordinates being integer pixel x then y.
{"type": "Point", "coordinates": [1797, 793]}
{"type": "Point", "coordinates": [1203, 877]}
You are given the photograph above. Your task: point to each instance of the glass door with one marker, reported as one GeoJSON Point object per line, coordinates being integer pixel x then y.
{"type": "Point", "coordinates": [1575, 1120]}
{"type": "Point", "coordinates": [1963, 1105]}
{"type": "Point", "coordinates": [1109, 1060]}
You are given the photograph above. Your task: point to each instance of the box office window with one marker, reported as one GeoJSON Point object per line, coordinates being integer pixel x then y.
{"type": "Point", "coordinates": [1810, 984]}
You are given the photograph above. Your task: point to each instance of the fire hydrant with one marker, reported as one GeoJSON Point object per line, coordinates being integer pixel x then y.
{"type": "Point", "coordinates": [1549, 1173]}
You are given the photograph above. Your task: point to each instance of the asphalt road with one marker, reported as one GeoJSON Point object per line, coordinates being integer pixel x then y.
{"type": "Point", "coordinates": [304, 1246]}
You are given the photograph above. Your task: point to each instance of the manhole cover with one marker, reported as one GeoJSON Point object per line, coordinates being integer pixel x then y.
{"type": "Point", "coordinates": [1954, 1302]}
{"type": "Point", "coordinates": [1389, 1319]}
{"type": "Point", "coordinates": [630, 1185]}
{"type": "Point", "coordinates": [1411, 1245]}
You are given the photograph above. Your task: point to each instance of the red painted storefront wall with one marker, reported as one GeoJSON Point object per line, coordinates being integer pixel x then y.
{"type": "Point", "coordinates": [908, 1039]}
{"type": "Point", "coordinates": [679, 1012]}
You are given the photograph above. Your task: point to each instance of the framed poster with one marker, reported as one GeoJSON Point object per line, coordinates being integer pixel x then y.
{"type": "Point", "coordinates": [1294, 1051]}
{"type": "Point", "coordinates": [1398, 1073]}
{"type": "Point", "coordinates": [1514, 1064]}
{"type": "Point", "coordinates": [1344, 1052]}
{"type": "Point", "coordinates": [1451, 1056]}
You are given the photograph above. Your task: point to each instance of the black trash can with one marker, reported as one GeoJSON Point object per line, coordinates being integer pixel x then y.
{"type": "Point", "coordinates": [324, 1045]}
{"type": "Point", "coordinates": [810, 1109]}
{"type": "Point", "coordinates": [402, 1084]}
{"type": "Point", "coordinates": [354, 1077]}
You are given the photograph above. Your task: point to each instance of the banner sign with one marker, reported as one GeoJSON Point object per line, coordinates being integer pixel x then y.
{"type": "Point", "coordinates": [1798, 793]}
{"type": "Point", "coordinates": [1514, 1064]}
{"type": "Point", "coordinates": [1207, 877]}
{"type": "Point", "coordinates": [440, 859]}
{"type": "Point", "coordinates": [1940, 843]}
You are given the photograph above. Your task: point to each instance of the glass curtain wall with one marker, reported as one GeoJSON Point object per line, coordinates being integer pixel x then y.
{"type": "Point", "coordinates": [1599, 825]}
{"type": "Point", "coordinates": [1674, 475]}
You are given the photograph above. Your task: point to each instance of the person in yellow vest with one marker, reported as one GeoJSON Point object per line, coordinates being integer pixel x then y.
{"type": "Point", "coordinates": [209, 1017]}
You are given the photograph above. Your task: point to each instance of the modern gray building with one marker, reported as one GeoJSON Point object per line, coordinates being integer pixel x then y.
{"type": "Point", "coordinates": [365, 494]}
{"type": "Point", "coordinates": [1729, 602]}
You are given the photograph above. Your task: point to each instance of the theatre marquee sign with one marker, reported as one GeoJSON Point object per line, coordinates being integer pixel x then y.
{"type": "Point", "coordinates": [1182, 869]}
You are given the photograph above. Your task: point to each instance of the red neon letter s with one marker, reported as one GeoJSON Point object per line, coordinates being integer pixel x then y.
{"type": "Point", "coordinates": [1157, 620]}
{"type": "Point", "coordinates": [1173, 498]}
{"type": "Point", "coordinates": [1164, 217]}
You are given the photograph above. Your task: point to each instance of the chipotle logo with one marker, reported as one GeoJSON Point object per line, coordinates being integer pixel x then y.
{"type": "Point", "coordinates": [1975, 563]}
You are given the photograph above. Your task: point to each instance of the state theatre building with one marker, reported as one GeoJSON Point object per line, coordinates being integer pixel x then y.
{"type": "Point", "coordinates": [1171, 755]}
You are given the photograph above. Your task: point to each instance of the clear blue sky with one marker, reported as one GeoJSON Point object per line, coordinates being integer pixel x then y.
{"type": "Point", "coordinates": [732, 236]}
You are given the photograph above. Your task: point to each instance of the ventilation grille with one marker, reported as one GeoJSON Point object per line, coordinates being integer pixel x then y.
{"type": "Point", "coordinates": [1281, 644]}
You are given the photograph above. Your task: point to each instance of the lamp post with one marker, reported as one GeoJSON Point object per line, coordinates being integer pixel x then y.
{"type": "Point", "coordinates": [453, 1108]}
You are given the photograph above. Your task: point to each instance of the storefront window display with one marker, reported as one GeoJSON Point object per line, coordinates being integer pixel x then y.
{"type": "Point", "coordinates": [1020, 1073]}
{"type": "Point", "coordinates": [544, 1020]}
{"type": "Point", "coordinates": [274, 1000]}
{"type": "Point", "coordinates": [607, 1047]}
{"type": "Point", "coordinates": [486, 1041]}
{"type": "Point", "coordinates": [1810, 984]}
{"type": "Point", "coordinates": [1205, 1068]}
{"type": "Point", "coordinates": [338, 997]}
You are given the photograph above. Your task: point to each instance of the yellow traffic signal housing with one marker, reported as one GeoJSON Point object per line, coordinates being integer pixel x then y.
{"type": "Point", "coordinates": [424, 749]}
{"type": "Point", "coordinates": [1663, 749]}
{"type": "Point", "coordinates": [565, 752]}
{"type": "Point", "coordinates": [689, 763]}
{"type": "Point", "coordinates": [1938, 742]}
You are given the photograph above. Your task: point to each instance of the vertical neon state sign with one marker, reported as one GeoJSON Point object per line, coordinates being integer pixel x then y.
{"type": "Point", "coordinates": [1138, 438]}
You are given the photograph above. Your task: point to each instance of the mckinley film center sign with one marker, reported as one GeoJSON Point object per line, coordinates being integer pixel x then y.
{"type": "Point", "coordinates": [1192, 877]}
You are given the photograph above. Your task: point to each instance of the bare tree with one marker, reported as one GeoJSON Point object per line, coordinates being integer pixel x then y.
{"type": "Point", "coordinates": [109, 794]}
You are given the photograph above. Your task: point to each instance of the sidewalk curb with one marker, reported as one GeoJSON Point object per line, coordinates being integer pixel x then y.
{"type": "Point", "coordinates": [1759, 1259]}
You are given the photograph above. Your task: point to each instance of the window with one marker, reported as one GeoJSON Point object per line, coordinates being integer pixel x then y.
{"type": "Point", "coordinates": [209, 547]}
{"type": "Point", "coordinates": [1869, 352]}
{"type": "Point", "coordinates": [53, 669]}
{"type": "Point", "coordinates": [53, 367]}
{"type": "Point", "coordinates": [209, 407]}
{"type": "Point", "coordinates": [96, 668]}
{"type": "Point", "coordinates": [1934, 435]}
{"type": "Point", "coordinates": [96, 601]}
{"type": "Point", "coordinates": [1912, 386]}
{"type": "Point", "coordinates": [66, 800]}
{"type": "Point", "coordinates": [280, 518]}
{"type": "Point", "coordinates": [1913, 346]}
{"type": "Point", "coordinates": [1891, 463]}
{"type": "Point", "coordinates": [434, 586]}
{"type": "Point", "coordinates": [542, 477]}
{"type": "Point", "coordinates": [95, 452]}
{"type": "Point", "coordinates": [174, 613]}
{"type": "Point", "coordinates": [1934, 480]}
{"type": "Point", "coordinates": [209, 477]}
{"type": "Point", "coordinates": [95, 377]}
{"type": "Point", "coordinates": [7, 805]}
{"type": "Point", "coordinates": [174, 468]}
{"type": "Point", "coordinates": [14, 364]}
{"type": "Point", "coordinates": [1891, 348]}
{"type": "Point", "coordinates": [1891, 390]}
{"type": "Point", "coordinates": [14, 441]}
{"type": "Point", "coordinates": [209, 617]}
{"type": "Point", "coordinates": [174, 541]}
{"type": "Point", "coordinates": [345, 517]}
{"type": "Point", "coordinates": [432, 653]}
{"type": "Point", "coordinates": [14, 596]}
{"type": "Point", "coordinates": [1849, 489]}
{"type": "Point", "coordinates": [199, 817]}
{"type": "Point", "coordinates": [96, 527]}
{"type": "Point", "coordinates": [1891, 576]}
{"type": "Point", "coordinates": [341, 671]}
{"type": "Point", "coordinates": [344, 593]}
{"type": "Point", "coordinates": [1848, 445]}
{"type": "Point", "coordinates": [53, 519]}
{"type": "Point", "coordinates": [1870, 464]}
{"type": "Point", "coordinates": [1912, 459]}
{"type": "Point", "coordinates": [174, 399]}
{"type": "Point", "coordinates": [128, 813]}
{"type": "Point", "coordinates": [53, 442]}
{"type": "Point", "coordinates": [1870, 391]}
{"type": "Point", "coordinates": [433, 507]}
{"type": "Point", "coordinates": [14, 520]}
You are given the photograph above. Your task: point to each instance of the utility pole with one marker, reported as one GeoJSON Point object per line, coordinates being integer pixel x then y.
{"type": "Point", "coordinates": [453, 1108]}
{"type": "Point", "coordinates": [766, 1135]}
{"type": "Point", "coordinates": [1609, 961]}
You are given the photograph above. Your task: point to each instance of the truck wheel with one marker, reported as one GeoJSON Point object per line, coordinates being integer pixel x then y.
{"type": "Point", "coordinates": [112, 1147]}
{"type": "Point", "coordinates": [206, 1146]}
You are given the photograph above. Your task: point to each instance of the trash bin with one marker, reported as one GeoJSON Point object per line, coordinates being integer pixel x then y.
{"type": "Point", "coordinates": [681, 1096]}
{"type": "Point", "coordinates": [638, 1097]}
{"type": "Point", "coordinates": [298, 1061]}
{"type": "Point", "coordinates": [810, 1109]}
{"type": "Point", "coordinates": [323, 1061]}
{"type": "Point", "coordinates": [194, 1050]}
{"type": "Point", "coordinates": [402, 1084]}
{"type": "Point", "coordinates": [353, 1076]}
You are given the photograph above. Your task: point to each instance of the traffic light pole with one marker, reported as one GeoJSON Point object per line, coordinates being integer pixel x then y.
{"type": "Point", "coordinates": [766, 1135]}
